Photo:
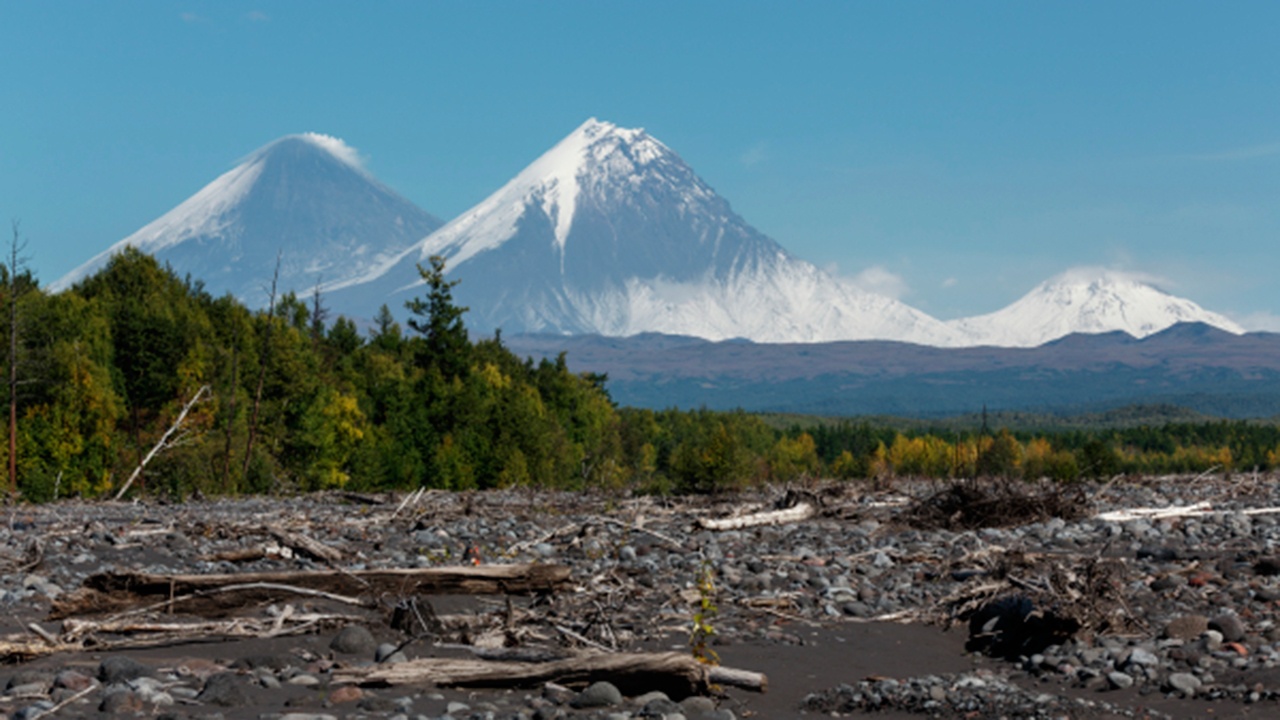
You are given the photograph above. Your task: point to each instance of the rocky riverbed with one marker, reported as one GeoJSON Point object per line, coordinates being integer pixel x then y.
{"type": "Point", "coordinates": [1102, 615]}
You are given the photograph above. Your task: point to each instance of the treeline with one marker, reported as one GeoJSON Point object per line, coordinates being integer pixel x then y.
{"type": "Point", "coordinates": [292, 400]}
{"type": "Point", "coordinates": [861, 450]}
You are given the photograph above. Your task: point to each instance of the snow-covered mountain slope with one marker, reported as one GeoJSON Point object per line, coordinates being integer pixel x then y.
{"type": "Point", "coordinates": [1086, 300]}
{"type": "Point", "coordinates": [305, 196]}
{"type": "Point", "coordinates": [611, 232]}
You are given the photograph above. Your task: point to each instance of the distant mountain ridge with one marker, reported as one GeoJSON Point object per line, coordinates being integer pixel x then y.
{"type": "Point", "coordinates": [1190, 365]}
{"type": "Point", "coordinates": [609, 232]}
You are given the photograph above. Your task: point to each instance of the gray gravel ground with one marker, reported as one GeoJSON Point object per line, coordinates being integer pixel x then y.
{"type": "Point", "coordinates": [1191, 625]}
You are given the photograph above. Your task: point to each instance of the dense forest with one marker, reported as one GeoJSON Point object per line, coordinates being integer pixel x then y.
{"type": "Point", "coordinates": [286, 399]}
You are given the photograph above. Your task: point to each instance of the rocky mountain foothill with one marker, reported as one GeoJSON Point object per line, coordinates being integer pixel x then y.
{"type": "Point", "coordinates": [1126, 599]}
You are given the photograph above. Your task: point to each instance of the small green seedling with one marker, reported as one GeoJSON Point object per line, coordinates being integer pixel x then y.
{"type": "Point", "coordinates": [704, 616]}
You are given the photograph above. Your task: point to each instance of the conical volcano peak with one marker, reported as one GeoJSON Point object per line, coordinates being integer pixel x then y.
{"type": "Point", "coordinates": [598, 158]}
{"type": "Point", "coordinates": [611, 232]}
{"type": "Point", "coordinates": [309, 145]}
{"type": "Point", "coordinates": [594, 129]}
{"type": "Point", "coordinates": [603, 143]}
{"type": "Point", "coordinates": [595, 147]}
{"type": "Point", "coordinates": [305, 197]}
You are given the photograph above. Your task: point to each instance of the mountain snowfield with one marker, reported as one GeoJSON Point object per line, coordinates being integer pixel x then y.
{"type": "Point", "coordinates": [611, 232]}
{"type": "Point", "coordinates": [303, 196]}
{"type": "Point", "coordinates": [608, 232]}
{"type": "Point", "coordinates": [1087, 300]}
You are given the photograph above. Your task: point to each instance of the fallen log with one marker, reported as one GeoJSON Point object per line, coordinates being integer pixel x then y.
{"type": "Point", "coordinates": [239, 555]}
{"type": "Point", "coordinates": [1199, 509]}
{"type": "Point", "coordinates": [80, 635]}
{"type": "Point", "coordinates": [306, 545]}
{"type": "Point", "coordinates": [802, 511]}
{"type": "Point", "coordinates": [76, 630]}
{"type": "Point", "coordinates": [677, 674]}
{"type": "Point", "coordinates": [209, 595]}
{"type": "Point", "coordinates": [21, 649]}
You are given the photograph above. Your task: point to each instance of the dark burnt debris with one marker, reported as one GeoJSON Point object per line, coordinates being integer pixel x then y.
{"type": "Point", "coordinates": [972, 504]}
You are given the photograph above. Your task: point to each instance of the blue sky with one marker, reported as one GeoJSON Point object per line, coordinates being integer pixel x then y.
{"type": "Point", "coordinates": [954, 154]}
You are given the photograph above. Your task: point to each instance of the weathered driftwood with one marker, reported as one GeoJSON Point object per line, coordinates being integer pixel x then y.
{"type": "Point", "coordinates": [285, 544]}
{"type": "Point", "coordinates": [75, 630]}
{"type": "Point", "coordinates": [24, 648]}
{"type": "Point", "coordinates": [801, 511]}
{"type": "Point", "coordinates": [212, 595]}
{"type": "Point", "coordinates": [121, 633]}
{"type": "Point", "coordinates": [1199, 509]}
{"type": "Point", "coordinates": [677, 674]}
{"type": "Point", "coordinates": [249, 554]}
{"type": "Point", "coordinates": [306, 545]}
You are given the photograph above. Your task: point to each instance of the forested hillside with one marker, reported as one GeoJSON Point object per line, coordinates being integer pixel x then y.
{"type": "Point", "coordinates": [288, 399]}
{"type": "Point", "coordinates": [294, 401]}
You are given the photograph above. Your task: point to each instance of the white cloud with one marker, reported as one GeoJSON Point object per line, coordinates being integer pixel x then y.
{"type": "Point", "coordinates": [1261, 321]}
{"type": "Point", "coordinates": [755, 154]}
{"type": "Point", "coordinates": [337, 147]}
{"type": "Point", "coordinates": [879, 280]}
{"type": "Point", "coordinates": [192, 18]}
{"type": "Point", "coordinates": [258, 16]}
{"type": "Point", "coordinates": [1089, 273]}
{"type": "Point", "coordinates": [950, 282]}
{"type": "Point", "coordinates": [1252, 152]}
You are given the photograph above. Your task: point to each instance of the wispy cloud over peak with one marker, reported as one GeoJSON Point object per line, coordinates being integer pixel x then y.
{"type": "Point", "coordinates": [1261, 321]}
{"type": "Point", "coordinates": [881, 281]}
{"type": "Point", "coordinates": [755, 155]}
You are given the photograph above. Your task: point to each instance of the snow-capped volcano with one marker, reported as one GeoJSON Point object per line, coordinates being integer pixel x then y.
{"type": "Point", "coordinates": [304, 196]}
{"type": "Point", "coordinates": [611, 232]}
{"type": "Point", "coordinates": [608, 232]}
{"type": "Point", "coordinates": [1086, 300]}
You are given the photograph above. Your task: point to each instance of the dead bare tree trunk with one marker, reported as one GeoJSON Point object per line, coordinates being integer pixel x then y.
{"type": "Point", "coordinates": [14, 248]}
{"type": "Point", "coordinates": [164, 441]}
{"type": "Point", "coordinates": [319, 315]}
{"type": "Point", "coordinates": [233, 392]}
{"type": "Point", "coordinates": [262, 371]}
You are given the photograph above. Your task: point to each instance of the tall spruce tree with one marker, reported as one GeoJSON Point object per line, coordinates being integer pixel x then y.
{"type": "Point", "coordinates": [445, 344]}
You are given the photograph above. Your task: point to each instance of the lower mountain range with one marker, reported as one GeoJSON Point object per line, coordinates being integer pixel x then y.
{"type": "Point", "coordinates": [1191, 365]}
